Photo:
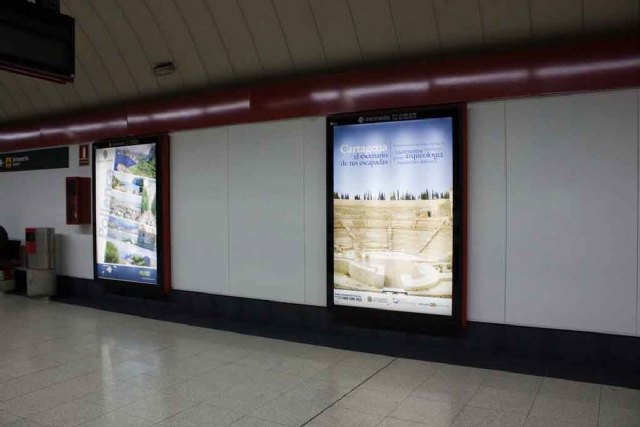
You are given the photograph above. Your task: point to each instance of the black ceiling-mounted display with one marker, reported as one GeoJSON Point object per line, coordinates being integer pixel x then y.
{"type": "Point", "coordinates": [37, 41]}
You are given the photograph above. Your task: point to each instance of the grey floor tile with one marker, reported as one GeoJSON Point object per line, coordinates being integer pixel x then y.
{"type": "Point", "coordinates": [393, 382]}
{"type": "Point", "coordinates": [321, 392]}
{"type": "Point", "coordinates": [573, 411]}
{"type": "Point", "coordinates": [365, 361]}
{"type": "Point", "coordinates": [571, 390]}
{"type": "Point", "coordinates": [395, 422]}
{"type": "Point", "coordinates": [301, 367]}
{"type": "Point", "coordinates": [17, 387]}
{"type": "Point", "coordinates": [244, 399]}
{"type": "Point", "coordinates": [24, 423]}
{"type": "Point", "coordinates": [371, 401]}
{"type": "Point", "coordinates": [462, 375]}
{"type": "Point", "coordinates": [344, 375]}
{"type": "Point", "coordinates": [195, 365]}
{"type": "Point", "coordinates": [201, 415]}
{"type": "Point", "coordinates": [157, 407]}
{"type": "Point", "coordinates": [342, 417]}
{"type": "Point", "coordinates": [112, 419]}
{"type": "Point", "coordinates": [101, 369]}
{"type": "Point", "coordinates": [481, 417]}
{"type": "Point", "coordinates": [620, 397]}
{"type": "Point", "coordinates": [503, 400]}
{"type": "Point", "coordinates": [37, 401]}
{"type": "Point", "coordinates": [407, 368]}
{"type": "Point", "coordinates": [619, 416]}
{"type": "Point", "coordinates": [445, 390]}
{"type": "Point", "coordinates": [69, 414]}
{"type": "Point", "coordinates": [289, 411]}
{"type": "Point", "coordinates": [427, 412]}
{"type": "Point", "coordinates": [538, 421]}
{"type": "Point", "coordinates": [276, 381]}
{"type": "Point", "coordinates": [512, 381]}
{"type": "Point", "coordinates": [117, 395]}
{"type": "Point", "coordinates": [7, 417]}
{"type": "Point", "coordinates": [262, 359]}
{"type": "Point", "coordinates": [198, 389]}
{"type": "Point", "coordinates": [157, 379]}
{"type": "Point", "coordinates": [255, 422]}
{"type": "Point", "coordinates": [226, 353]}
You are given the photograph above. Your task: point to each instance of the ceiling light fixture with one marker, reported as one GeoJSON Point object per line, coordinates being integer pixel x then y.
{"type": "Point", "coordinates": [164, 69]}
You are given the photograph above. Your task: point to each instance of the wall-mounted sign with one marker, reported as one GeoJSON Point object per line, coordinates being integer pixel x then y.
{"type": "Point", "coordinates": [394, 220]}
{"type": "Point", "coordinates": [50, 158]}
{"type": "Point", "coordinates": [83, 155]}
{"type": "Point", "coordinates": [128, 211]}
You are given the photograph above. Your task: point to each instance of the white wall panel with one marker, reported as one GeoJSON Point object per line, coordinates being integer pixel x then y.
{"type": "Point", "coordinates": [572, 213]}
{"type": "Point", "coordinates": [199, 210]}
{"type": "Point", "coordinates": [487, 205]}
{"type": "Point", "coordinates": [315, 211]}
{"type": "Point", "coordinates": [266, 211]}
{"type": "Point", "coordinates": [37, 199]}
{"type": "Point", "coordinates": [553, 216]}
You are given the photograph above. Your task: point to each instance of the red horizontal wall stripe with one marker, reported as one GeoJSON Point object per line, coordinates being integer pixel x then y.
{"type": "Point", "coordinates": [587, 66]}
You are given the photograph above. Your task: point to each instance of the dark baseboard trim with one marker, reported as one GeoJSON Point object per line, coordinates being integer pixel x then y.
{"type": "Point", "coordinates": [579, 356]}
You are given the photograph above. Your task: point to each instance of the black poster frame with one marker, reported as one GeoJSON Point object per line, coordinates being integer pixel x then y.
{"type": "Point", "coordinates": [397, 320]}
{"type": "Point", "coordinates": [131, 287]}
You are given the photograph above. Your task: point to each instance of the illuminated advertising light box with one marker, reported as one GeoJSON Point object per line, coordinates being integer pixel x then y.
{"type": "Point", "coordinates": [395, 217]}
{"type": "Point", "coordinates": [128, 237]}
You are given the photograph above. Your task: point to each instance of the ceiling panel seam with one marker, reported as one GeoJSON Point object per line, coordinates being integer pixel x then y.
{"type": "Point", "coordinates": [395, 27]}
{"type": "Point", "coordinates": [225, 48]}
{"type": "Point", "coordinates": [482, 29]}
{"type": "Point", "coordinates": [315, 26]}
{"type": "Point", "coordinates": [18, 87]}
{"type": "Point", "coordinates": [58, 91]}
{"type": "Point", "coordinates": [253, 41]}
{"type": "Point", "coordinates": [117, 48]}
{"type": "Point", "coordinates": [9, 96]}
{"type": "Point", "coordinates": [530, 13]}
{"type": "Point", "coordinates": [51, 88]}
{"type": "Point", "coordinates": [195, 45]}
{"type": "Point", "coordinates": [71, 92]}
{"type": "Point", "coordinates": [82, 71]}
{"type": "Point", "coordinates": [99, 57]}
{"type": "Point", "coordinates": [167, 45]}
{"type": "Point", "coordinates": [435, 20]}
{"type": "Point", "coordinates": [3, 110]}
{"type": "Point", "coordinates": [80, 29]}
{"type": "Point", "coordinates": [35, 90]}
{"type": "Point", "coordinates": [284, 37]}
{"type": "Point", "coordinates": [355, 29]}
{"type": "Point", "coordinates": [138, 39]}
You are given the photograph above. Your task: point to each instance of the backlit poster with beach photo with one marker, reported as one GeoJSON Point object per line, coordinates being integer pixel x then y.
{"type": "Point", "coordinates": [393, 212]}
{"type": "Point", "coordinates": [126, 213]}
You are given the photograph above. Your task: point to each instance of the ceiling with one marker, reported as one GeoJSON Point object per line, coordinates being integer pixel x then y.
{"type": "Point", "coordinates": [221, 42]}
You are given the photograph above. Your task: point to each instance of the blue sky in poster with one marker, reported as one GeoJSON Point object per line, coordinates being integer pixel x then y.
{"type": "Point", "coordinates": [409, 156]}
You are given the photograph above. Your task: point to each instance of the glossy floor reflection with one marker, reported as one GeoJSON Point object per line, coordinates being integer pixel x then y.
{"type": "Point", "coordinates": [63, 365]}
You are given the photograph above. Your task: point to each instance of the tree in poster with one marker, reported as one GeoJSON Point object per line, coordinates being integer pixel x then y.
{"type": "Point", "coordinates": [145, 201]}
{"type": "Point", "coordinates": [111, 255]}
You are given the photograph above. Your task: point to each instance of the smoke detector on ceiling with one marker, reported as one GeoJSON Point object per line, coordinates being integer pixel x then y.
{"type": "Point", "coordinates": [164, 69]}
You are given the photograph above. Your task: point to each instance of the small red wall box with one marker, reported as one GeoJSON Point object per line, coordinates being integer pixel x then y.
{"type": "Point", "coordinates": [78, 200]}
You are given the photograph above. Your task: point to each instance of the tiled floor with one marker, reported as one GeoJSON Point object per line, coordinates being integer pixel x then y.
{"type": "Point", "coordinates": [62, 365]}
